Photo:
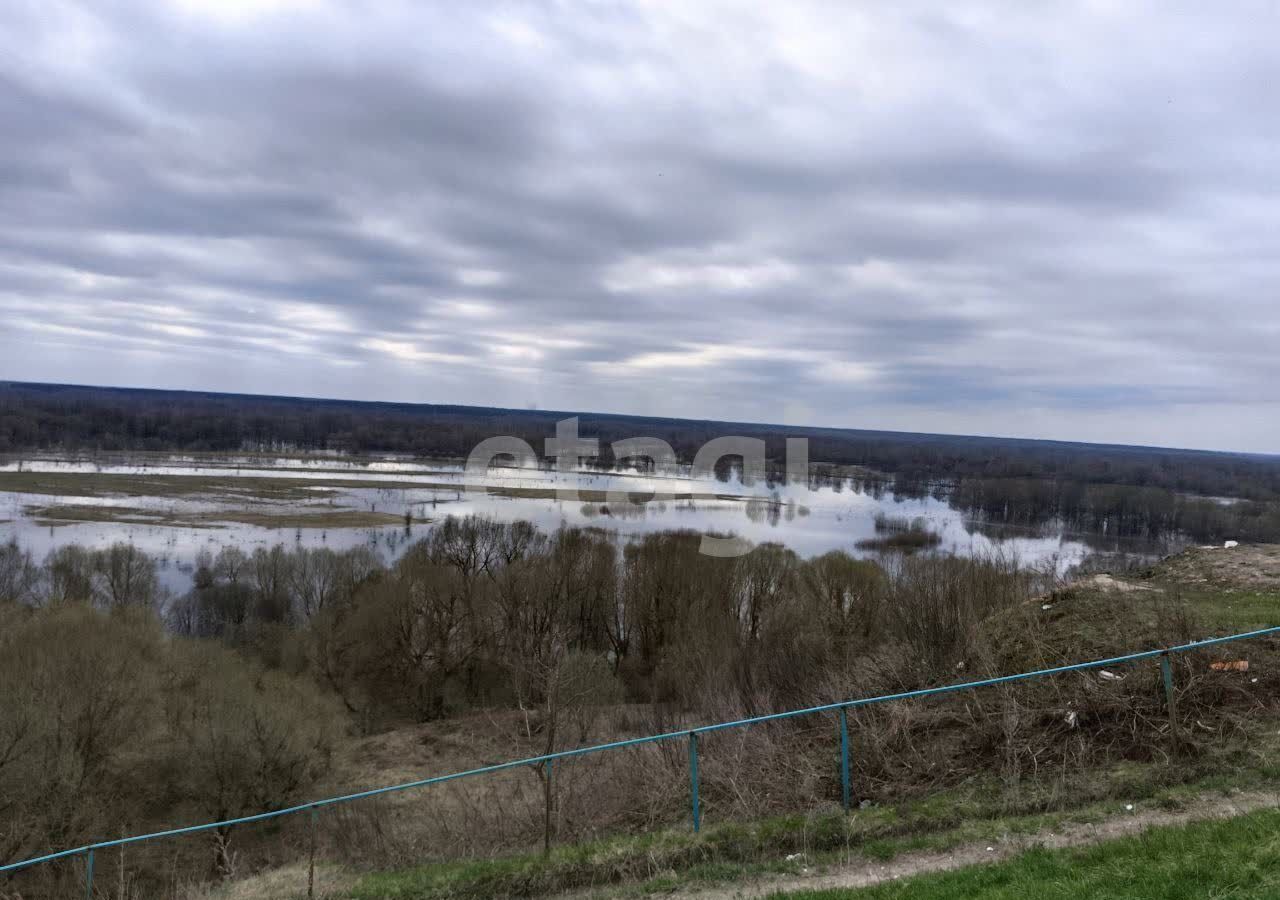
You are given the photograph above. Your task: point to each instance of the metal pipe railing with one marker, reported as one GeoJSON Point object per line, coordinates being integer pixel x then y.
{"type": "Point", "coordinates": [688, 734]}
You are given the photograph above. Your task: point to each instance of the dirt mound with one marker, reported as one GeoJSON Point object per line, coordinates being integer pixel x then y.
{"type": "Point", "coordinates": [1105, 582]}
{"type": "Point", "coordinates": [1248, 566]}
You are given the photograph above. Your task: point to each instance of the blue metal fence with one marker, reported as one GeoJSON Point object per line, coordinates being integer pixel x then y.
{"type": "Point", "coordinates": [690, 734]}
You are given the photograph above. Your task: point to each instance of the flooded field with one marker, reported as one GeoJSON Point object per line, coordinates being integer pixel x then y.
{"type": "Point", "coordinates": [173, 506]}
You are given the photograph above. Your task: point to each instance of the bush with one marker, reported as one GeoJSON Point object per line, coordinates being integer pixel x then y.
{"type": "Point", "coordinates": [104, 721]}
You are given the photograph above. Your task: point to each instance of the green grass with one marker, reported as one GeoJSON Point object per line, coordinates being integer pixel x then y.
{"type": "Point", "coordinates": [1235, 610]}
{"type": "Point", "coordinates": [653, 862]}
{"type": "Point", "coordinates": [1237, 858]}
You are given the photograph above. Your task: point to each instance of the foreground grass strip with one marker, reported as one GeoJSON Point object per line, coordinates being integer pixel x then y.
{"type": "Point", "coordinates": [1237, 858]}
{"type": "Point", "coordinates": [717, 855]}
{"type": "Point", "coordinates": [660, 862]}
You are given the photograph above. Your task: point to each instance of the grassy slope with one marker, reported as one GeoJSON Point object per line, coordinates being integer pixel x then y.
{"type": "Point", "coordinates": [977, 811]}
{"type": "Point", "coordinates": [1237, 858]}
{"type": "Point", "coordinates": [1232, 590]}
{"type": "Point", "coordinates": [1209, 581]}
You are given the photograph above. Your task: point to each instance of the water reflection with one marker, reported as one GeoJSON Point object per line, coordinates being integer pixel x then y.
{"type": "Point", "coordinates": [175, 506]}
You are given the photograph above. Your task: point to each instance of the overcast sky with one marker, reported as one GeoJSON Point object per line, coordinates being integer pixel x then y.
{"type": "Point", "coordinates": [1002, 218]}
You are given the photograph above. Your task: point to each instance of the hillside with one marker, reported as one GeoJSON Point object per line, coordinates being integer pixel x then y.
{"type": "Point", "coordinates": [1021, 792]}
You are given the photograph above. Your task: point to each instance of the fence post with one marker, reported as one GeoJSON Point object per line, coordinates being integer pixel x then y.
{"type": "Point", "coordinates": [1166, 672]}
{"type": "Point", "coordinates": [693, 780]}
{"type": "Point", "coordinates": [311, 853]}
{"type": "Point", "coordinates": [548, 798]}
{"type": "Point", "coordinates": [88, 875]}
{"type": "Point", "coordinates": [844, 758]}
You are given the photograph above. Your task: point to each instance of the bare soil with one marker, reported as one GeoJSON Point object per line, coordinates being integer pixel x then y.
{"type": "Point", "coordinates": [1248, 566]}
{"type": "Point", "coordinates": [1106, 582]}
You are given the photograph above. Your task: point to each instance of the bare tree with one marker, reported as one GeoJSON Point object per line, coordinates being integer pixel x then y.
{"type": "Point", "coordinates": [19, 576]}
{"type": "Point", "coordinates": [124, 576]}
{"type": "Point", "coordinates": [242, 740]}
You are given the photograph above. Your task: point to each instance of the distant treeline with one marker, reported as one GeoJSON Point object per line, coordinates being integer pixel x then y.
{"type": "Point", "coordinates": [1124, 511]}
{"type": "Point", "coordinates": [63, 417]}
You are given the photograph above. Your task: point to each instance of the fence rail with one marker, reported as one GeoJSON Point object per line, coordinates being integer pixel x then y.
{"type": "Point", "coordinates": [687, 734]}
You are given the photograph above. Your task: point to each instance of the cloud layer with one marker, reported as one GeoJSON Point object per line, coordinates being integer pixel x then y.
{"type": "Point", "coordinates": [1005, 219]}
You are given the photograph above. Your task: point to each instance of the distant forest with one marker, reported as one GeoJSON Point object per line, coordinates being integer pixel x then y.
{"type": "Point", "coordinates": [78, 418]}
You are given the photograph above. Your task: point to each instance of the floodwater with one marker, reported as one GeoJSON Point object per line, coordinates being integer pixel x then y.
{"type": "Point", "coordinates": [811, 519]}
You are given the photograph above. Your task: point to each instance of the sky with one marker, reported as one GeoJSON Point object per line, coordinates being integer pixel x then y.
{"type": "Point", "coordinates": [1019, 218]}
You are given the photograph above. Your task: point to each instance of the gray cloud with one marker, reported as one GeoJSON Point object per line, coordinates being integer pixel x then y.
{"type": "Point", "coordinates": [993, 220]}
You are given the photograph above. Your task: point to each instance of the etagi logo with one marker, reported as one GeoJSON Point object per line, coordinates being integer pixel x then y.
{"type": "Point", "coordinates": [569, 450]}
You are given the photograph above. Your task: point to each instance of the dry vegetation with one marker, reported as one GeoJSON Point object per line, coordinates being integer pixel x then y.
{"type": "Point", "coordinates": [489, 642]}
{"type": "Point", "coordinates": [901, 534]}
